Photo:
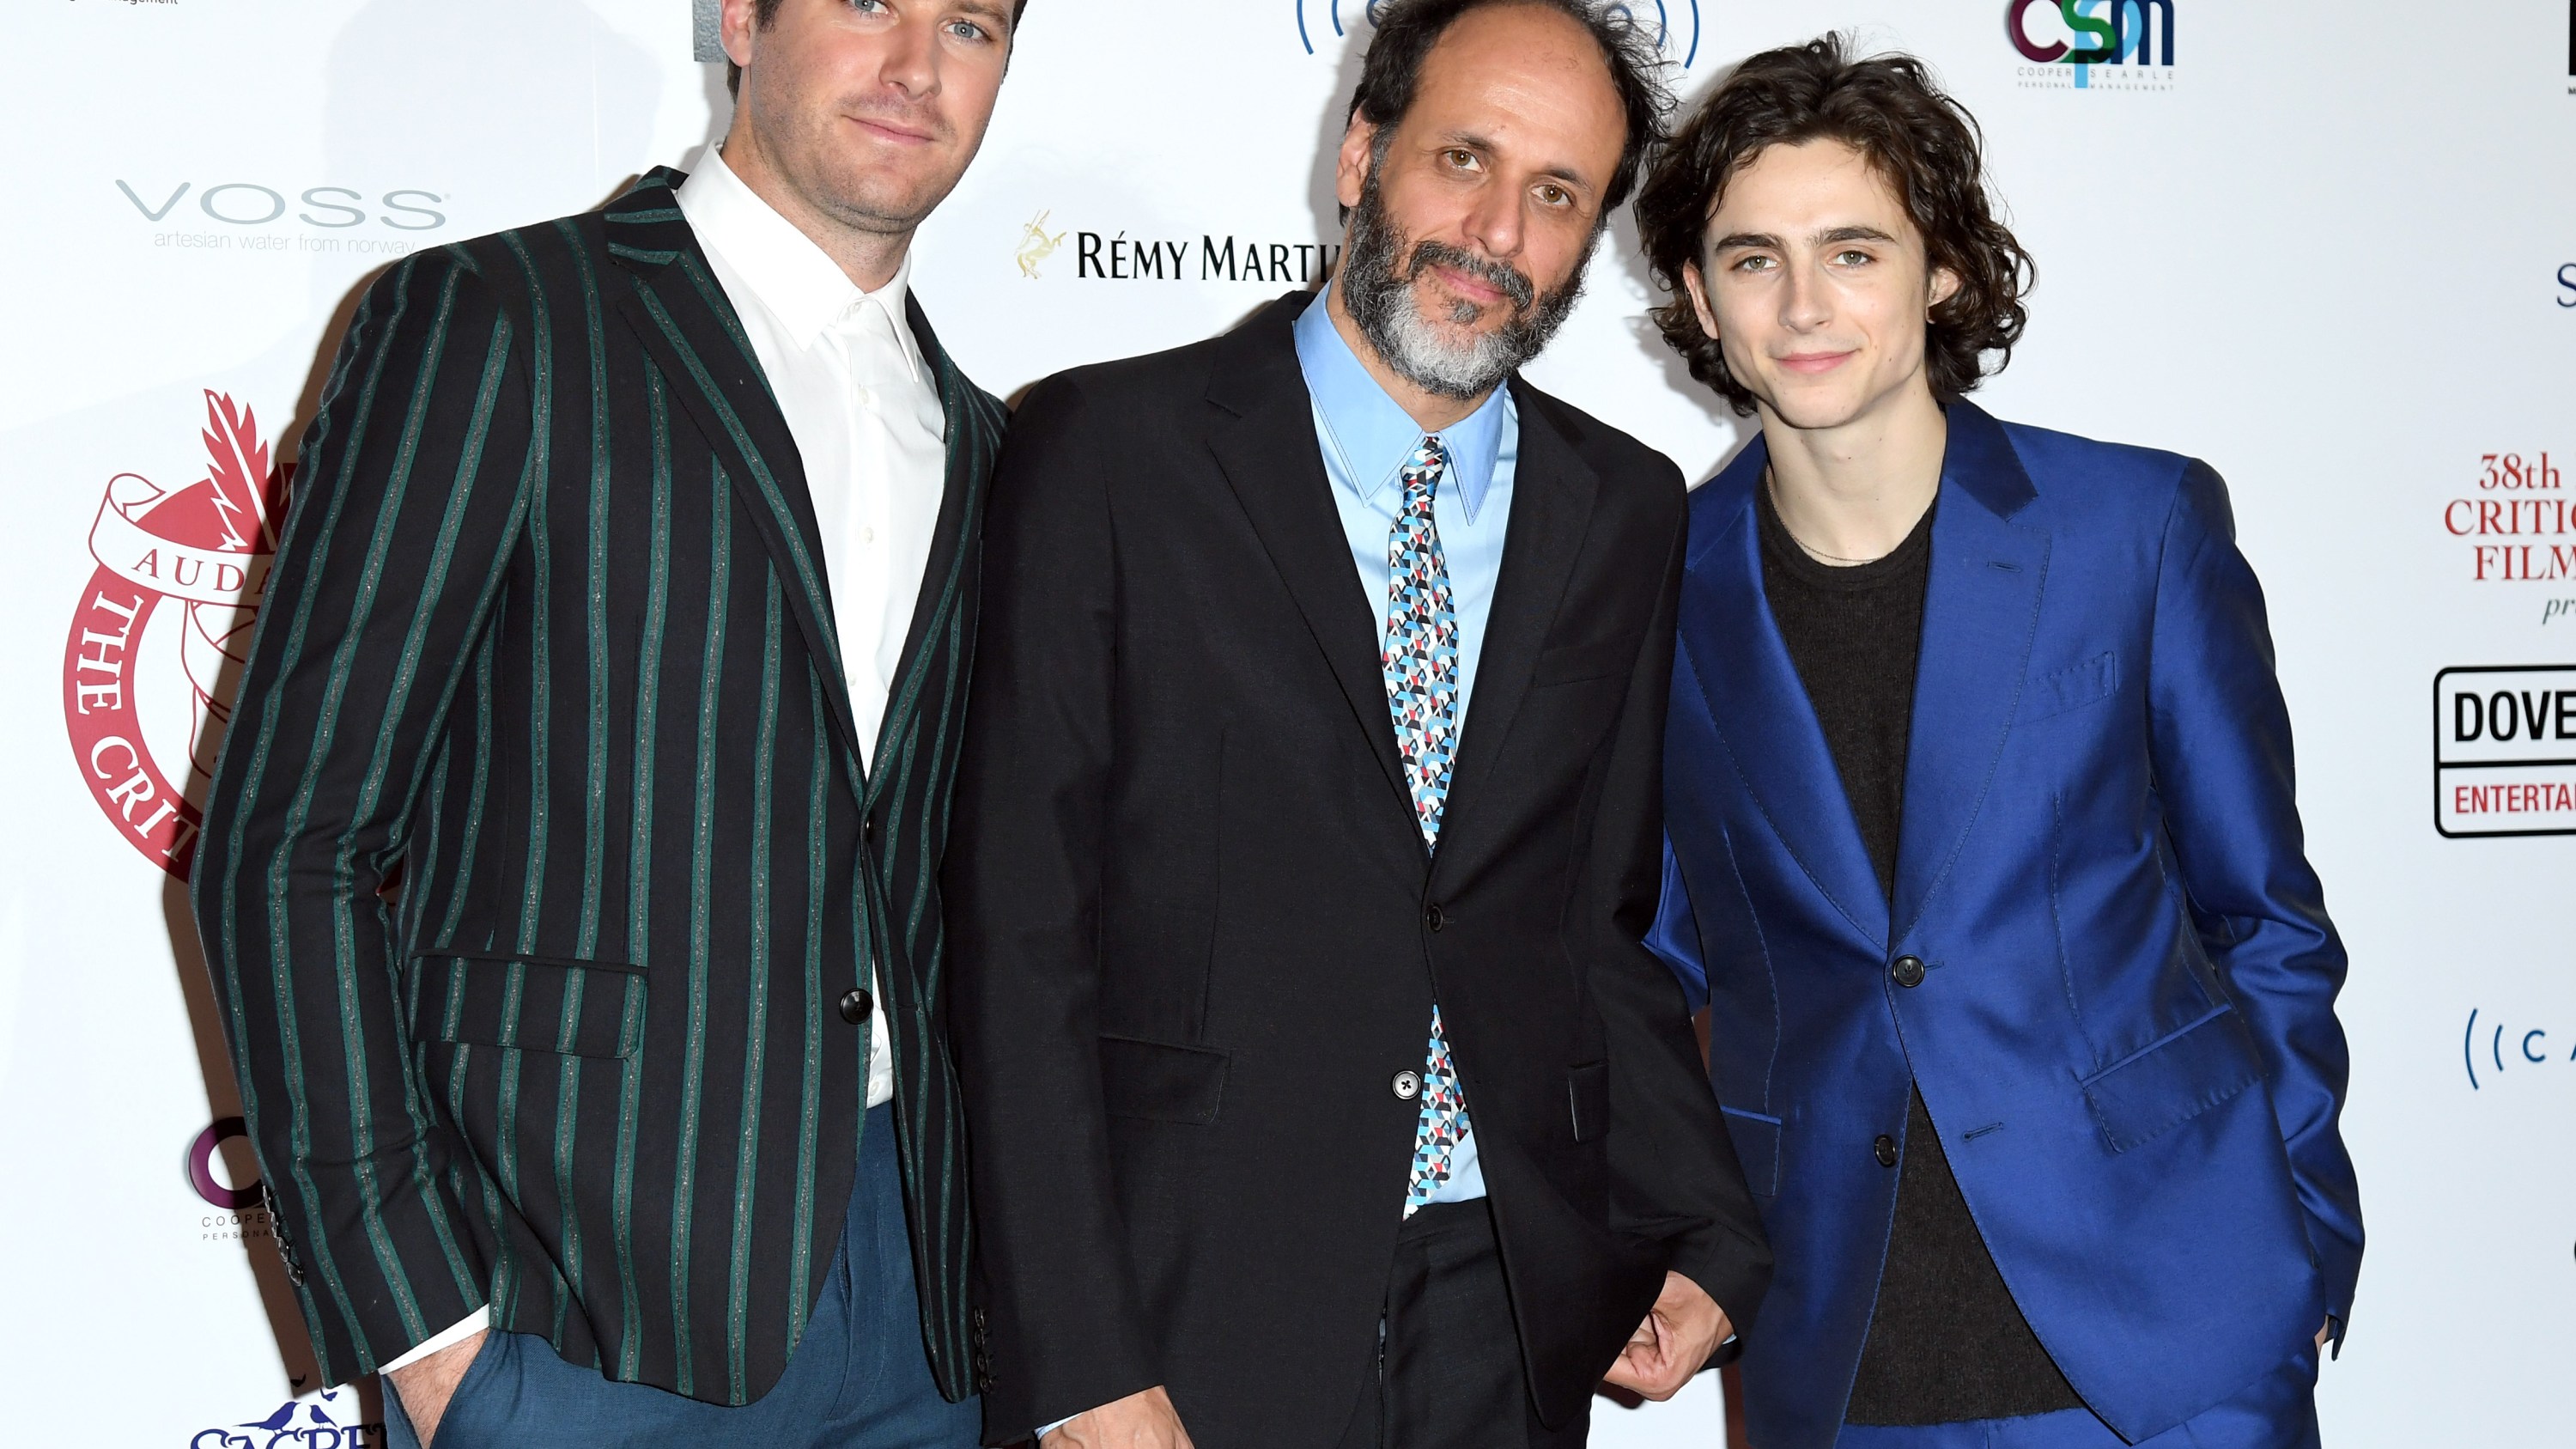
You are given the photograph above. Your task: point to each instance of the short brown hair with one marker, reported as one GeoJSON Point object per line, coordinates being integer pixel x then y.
{"type": "Point", "coordinates": [1925, 145]}
{"type": "Point", "coordinates": [765, 12]}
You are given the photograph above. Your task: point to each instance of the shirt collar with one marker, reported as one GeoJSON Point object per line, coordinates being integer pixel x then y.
{"type": "Point", "coordinates": [1373, 433]}
{"type": "Point", "coordinates": [797, 281]}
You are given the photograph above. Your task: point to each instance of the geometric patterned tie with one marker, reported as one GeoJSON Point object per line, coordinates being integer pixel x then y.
{"type": "Point", "coordinates": [1421, 665]}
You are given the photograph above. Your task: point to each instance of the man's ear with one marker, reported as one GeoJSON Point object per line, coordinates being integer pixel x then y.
{"type": "Point", "coordinates": [1351, 169]}
{"type": "Point", "coordinates": [1945, 285]}
{"type": "Point", "coordinates": [1698, 289]}
{"type": "Point", "coordinates": [734, 26]}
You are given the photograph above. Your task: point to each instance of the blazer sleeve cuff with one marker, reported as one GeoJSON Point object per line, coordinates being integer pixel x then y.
{"type": "Point", "coordinates": [377, 1283]}
{"type": "Point", "coordinates": [1732, 1271]}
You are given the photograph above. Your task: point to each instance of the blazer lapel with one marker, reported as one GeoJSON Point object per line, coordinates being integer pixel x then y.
{"type": "Point", "coordinates": [942, 615]}
{"type": "Point", "coordinates": [1980, 613]}
{"type": "Point", "coordinates": [1752, 693]}
{"type": "Point", "coordinates": [1552, 494]}
{"type": "Point", "coordinates": [688, 326]}
{"type": "Point", "coordinates": [1270, 458]}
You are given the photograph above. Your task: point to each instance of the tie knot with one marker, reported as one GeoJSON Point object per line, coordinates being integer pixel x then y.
{"type": "Point", "coordinates": [1424, 470]}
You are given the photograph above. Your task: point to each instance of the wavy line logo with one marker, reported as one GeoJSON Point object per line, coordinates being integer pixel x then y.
{"type": "Point", "coordinates": [2502, 1046]}
{"type": "Point", "coordinates": [180, 575]}
{"type": "Point", "coordinates": [1674, 23]}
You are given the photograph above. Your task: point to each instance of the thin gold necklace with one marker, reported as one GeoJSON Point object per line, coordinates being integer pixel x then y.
{"type": "Point", "coordinates": [1771, 486]}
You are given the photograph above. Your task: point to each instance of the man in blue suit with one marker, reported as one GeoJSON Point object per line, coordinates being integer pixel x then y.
{"type": "Point", "coordinates": [1983, 847]}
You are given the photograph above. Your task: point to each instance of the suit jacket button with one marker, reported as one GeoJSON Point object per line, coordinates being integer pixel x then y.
{"type": "Point", "coordinates": [855, 1005]}
{"type": "Point", "coordinates": [1908, 971]}
{"type": "Point", "coordinates": [1434, 917]}
{"type": "Point", "coordinates": [1885, 1150]}
{"type": "Point", "coordinates": [1407, 1086]}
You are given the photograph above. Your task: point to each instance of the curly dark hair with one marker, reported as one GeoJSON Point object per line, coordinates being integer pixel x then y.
{"type": "Point", "coordinates": [1925, 144]}
{"type": "Point", "coordinates": [1408, 29]}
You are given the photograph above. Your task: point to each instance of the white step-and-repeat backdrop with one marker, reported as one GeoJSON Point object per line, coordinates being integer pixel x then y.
{"type": "Point", "coordinates": [2331, 248]}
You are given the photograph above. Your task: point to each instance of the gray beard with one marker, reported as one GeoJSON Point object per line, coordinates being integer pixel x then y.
{"type": "Point", "coordinates": [1382, 305]}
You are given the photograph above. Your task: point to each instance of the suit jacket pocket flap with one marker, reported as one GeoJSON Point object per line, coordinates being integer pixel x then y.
{"type": "Point", "coordinates": [1757, 1148]}
{"type": "Point", "coordinates": [2170, 1081]}
{"type": "Point", "coordinates": [1567, 663]}
{"type": "Point", "coordinates": [1587, 1091]}
{"type": "Point", "coordinates": [1162, 1081]}
{"type": "Point", "coordinates": [529, 1003]}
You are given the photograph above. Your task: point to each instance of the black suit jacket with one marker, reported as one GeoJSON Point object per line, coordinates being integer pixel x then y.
{"type": "Point", "coordinates": [541, 853]}
{"type": "Point", "coordinates": [1197, 933]}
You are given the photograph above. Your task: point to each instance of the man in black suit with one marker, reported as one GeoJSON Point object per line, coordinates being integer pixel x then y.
{"type": "Point", "coordinates": [569, 878]}
{"type": "Point", "coordinates": [1322, 1092]}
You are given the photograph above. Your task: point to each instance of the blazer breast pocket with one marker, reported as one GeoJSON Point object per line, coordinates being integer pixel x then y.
{"type": "Point", "coordinates": [552, 1004]}
{"type": "Point", "coordinates": [1162, 1081]}
{"type": "Point", "coordinates": [2072, 688]}
{"type": "Point", "coordinates": [1574, 663]}
{"type": "Point", "coordinates": [2173, 1079]}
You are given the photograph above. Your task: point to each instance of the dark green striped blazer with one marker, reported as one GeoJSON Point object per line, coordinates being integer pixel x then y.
{"type": "Point", "coordinates": [541, 853]}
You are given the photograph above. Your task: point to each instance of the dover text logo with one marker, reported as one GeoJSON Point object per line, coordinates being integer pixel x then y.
{"type": "Point", "coordinates": [1674, 23]}
{"type": "Point", "coordinates": [189, 565]}
{"type": "Point", "coordinates": [2504, 750]}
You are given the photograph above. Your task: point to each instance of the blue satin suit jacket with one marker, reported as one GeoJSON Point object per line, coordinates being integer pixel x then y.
{"type": "Point", "coordinates": [2125, 1031]}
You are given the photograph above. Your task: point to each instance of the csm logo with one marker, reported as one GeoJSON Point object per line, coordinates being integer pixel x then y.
{"type": "Point", "coordinates": [1673, 23]}
{"type": "Point", "coordinates": [247, 203]}
{"type": "Point", "coordinates": [2079, 35]}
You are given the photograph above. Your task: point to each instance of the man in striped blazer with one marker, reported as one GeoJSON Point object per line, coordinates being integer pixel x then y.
{"type": "Point", "coordinates": [569, 879]}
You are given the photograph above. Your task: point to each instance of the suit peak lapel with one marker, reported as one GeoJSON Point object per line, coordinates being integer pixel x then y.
{"type": "Point", "coordinates": [1980, 614]}
{"type": "Point", "coordinates": [973, 421]}
{"type": "Point", "coordinates": [687, 325]}
{"type": "Point", "coordinates": [1751, 691]}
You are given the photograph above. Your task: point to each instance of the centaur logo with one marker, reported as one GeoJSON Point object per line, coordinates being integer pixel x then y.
{"type": "Point", "coordinates": [191, 562]}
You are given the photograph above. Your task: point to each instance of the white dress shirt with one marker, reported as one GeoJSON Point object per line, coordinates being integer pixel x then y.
{"type": "Point", "coordinates": [863, 407]}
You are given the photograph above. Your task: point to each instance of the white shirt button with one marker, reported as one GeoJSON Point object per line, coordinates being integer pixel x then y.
{"type": "Point", "coordinates": [867, 535]}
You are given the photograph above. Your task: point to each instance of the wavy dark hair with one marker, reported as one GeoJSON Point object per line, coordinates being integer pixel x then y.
{"type": "Point", "coordinates": [1925, 145]}
{"type": "Point", "coordinates": [1408, 29]}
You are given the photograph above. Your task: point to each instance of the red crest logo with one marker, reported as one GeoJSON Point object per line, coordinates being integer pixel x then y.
{"type": "Point", "coordinates": [194, 562]}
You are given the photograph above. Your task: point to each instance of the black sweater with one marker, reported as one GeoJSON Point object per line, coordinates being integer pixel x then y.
{"type": "Point", "coordinates": [1946, 1342]}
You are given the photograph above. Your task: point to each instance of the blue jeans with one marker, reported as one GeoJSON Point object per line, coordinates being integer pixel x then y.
{"type": "Point", "coordinates": [859, 1378]}
{"type": "Point", "coordinates": [2277, 1411]}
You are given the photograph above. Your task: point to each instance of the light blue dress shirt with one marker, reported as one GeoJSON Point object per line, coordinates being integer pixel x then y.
{"type": "Point", "coordinates": [1366, 437]}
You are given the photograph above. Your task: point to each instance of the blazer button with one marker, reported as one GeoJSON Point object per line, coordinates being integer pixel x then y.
{"type": "Point", "coordinates": [855, 1005]}
{"type": "Point", "coordinates": [1885, 1150]}
{"type": "Point", "coordinates": [1406, 1086]}
{"type": "Point", "coordinates": [1435, 918]}
{"type": "Point", "coordinates": [1909, 971]}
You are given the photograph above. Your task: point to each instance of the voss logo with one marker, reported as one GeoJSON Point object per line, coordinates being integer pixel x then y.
{"type": "Point", "coordinates": [2504, 750]}
{"type": "Point", "coordinates": [247, 203]}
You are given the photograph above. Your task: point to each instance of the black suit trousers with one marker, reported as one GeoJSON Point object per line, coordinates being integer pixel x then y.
{"type": "Point", "coordinates": [1449, 1373]}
